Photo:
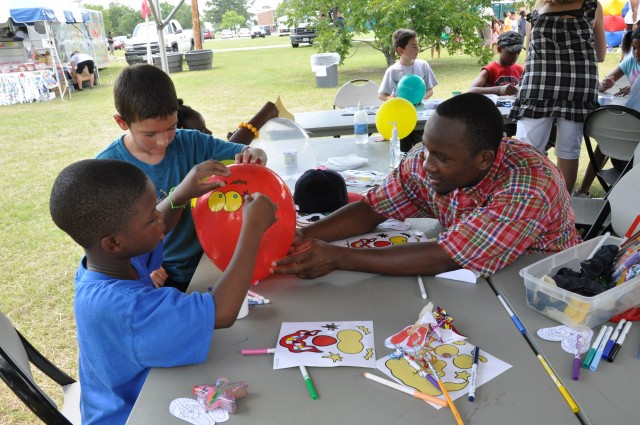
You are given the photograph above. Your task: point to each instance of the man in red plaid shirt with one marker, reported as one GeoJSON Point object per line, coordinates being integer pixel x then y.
{"type": "Point", "coordinates": [497, 198]}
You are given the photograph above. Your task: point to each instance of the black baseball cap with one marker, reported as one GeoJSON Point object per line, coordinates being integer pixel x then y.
{"type": "Point", "coordinates": [510, 40]}
{"type": "Point", "coordinates": [320, 191]}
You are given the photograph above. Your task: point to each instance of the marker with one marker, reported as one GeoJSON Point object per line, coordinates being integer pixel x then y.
{"type": "Point", "coordinates": [256, 351]}
{"type": "Point", "coordinates": [258, 302]}
{"type": "Point", "coordinates": [596, 359]}
{"type": "Point", "coordinates": [515, 319]}
{"type": "Point", "coordinates": [594, 348]}
{"type": "Point", "coordinates": [576, 361]}
{"type": "Point", "coordinates": [619, 342]}
{"type": "Point", "coordinates": [446, 394]}
{"type": "Point", "coordinates": [474, 374]}
{"type": "Point", "coordinates": [309, 382]}
{"type": "Point", "coordinates": [567, 397]}
{"type": "Point", "coordinates": [421, 372]}
{"type": "Point", "coordinates": [406, 390]}
{"type": "Point", "coordinates": [599, 245]}
{"type": "Point", "coordinates": [255, 295]}
{"type": "Point", "coordinates": [422, 290]}
{"type": "Point", "coordinates": [612, 340]}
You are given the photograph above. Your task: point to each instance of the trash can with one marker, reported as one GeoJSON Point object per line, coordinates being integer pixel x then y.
{"type": "Point", "coordinates": [325, 66]}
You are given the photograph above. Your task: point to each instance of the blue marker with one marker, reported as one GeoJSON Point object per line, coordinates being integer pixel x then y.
{"type": "Point", "coordinates": [594, 347]}
{"type": "Point", "coordinates": [513, 316]}
{"type": "Point", "coordinates": [474, 374]}
{"type": "Point", "coordinates": [596, 359]}
{"type": "Point", "coordinates": [258, 302]}
{"type": "Point", "coordinates": [612, 340]}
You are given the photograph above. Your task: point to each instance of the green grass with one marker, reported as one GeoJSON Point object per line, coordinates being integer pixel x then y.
{"type": "Point", "coordinates": [40, 139]}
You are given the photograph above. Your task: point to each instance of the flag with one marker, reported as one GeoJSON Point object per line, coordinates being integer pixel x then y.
{"type": "Point", "coordinates": [145, 9]}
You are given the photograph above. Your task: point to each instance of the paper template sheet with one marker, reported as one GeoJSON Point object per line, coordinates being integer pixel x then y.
{"type": "Point", "coordinates": [325, 344]}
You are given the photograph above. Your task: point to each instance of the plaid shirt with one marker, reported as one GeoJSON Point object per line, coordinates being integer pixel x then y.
{"type": "Point", "coordinates": [560, 73]}
{"type": "Point", "coordinates": [521, 206]}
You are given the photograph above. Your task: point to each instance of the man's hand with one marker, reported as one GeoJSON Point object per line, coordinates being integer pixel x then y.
{"type": "Point", "coordinates": [309, 259]}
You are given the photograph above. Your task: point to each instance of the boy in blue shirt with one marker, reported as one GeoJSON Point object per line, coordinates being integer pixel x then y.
{"type": "Point", "coordinates": [147, 105]}
{"type": "Point", "coordinates": [125, 324]}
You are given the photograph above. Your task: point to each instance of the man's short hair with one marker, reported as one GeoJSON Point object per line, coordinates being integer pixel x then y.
{"type": "Point", "coordinates": [93, 198]}
{"type": "Point", "coordinates": [481, 117]}
{"type": "Point", "coordinates": [142, 92]}
{"type": "Point", "coordinates": [402, 37]}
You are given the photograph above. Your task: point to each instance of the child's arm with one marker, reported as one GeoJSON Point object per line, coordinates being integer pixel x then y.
{"type": "Point", "coordinates": [193, 185]}
{"type": "Point", "coordinates": [258, 214]}
{"type": "Point", "coordinates": [610, 79]}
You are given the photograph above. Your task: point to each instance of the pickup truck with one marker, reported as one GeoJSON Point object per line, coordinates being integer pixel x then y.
{"type": "Point", "coordinates": [303, 33]}
{"type": "Point", "coordinates": [175, 38]}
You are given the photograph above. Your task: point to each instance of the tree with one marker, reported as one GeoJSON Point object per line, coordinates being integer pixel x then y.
{"type": "Point", "coordinates": [231, 20]}
{"type": "Point", "coordinates": [429, 18]}
{"type": "Point", "coordinates": [218, 8]}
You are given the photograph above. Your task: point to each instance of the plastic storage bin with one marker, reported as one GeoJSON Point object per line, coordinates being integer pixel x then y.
{"type": "Point", "coordinates": [567, 307]}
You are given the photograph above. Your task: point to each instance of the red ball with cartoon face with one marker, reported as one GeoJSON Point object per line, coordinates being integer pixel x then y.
{"type": "Point", "coordinates": [218, 217]}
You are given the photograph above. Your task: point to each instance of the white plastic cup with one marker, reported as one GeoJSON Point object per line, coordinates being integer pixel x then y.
{"type": "Point", "coordinates": [244, 308]}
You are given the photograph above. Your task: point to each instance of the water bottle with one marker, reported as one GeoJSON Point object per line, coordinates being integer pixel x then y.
{"type": "Point", "coordinates": [360, 126]}
{"type": "Point", "coordinates": [394, 148]}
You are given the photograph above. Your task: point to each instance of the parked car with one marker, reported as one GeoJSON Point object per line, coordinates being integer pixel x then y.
{"type": "Point", "coordinates": [208, 34]}
{"type": "Point", "coordinates": [257, 31]}
{"type": "Point", "coordinates": [226, 34]}
{"type": "Point", "coordinates": [118, 42]}
{"type": "Point", "coordinates": [267, 29]}
{"type": "Point", "coordinates": [244, 32]}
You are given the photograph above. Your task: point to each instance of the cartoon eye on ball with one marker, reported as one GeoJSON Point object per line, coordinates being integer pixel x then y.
{"type": "Point", "coordinates": [230, 201]}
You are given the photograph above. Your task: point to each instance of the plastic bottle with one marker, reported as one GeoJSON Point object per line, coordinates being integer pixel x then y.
{"type": "Point", "coordinates": [360, 126]}
{"type": "Point", "coordinates": [394, 148]}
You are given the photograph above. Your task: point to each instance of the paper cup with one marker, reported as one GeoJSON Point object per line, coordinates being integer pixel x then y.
{"type": "Point", "coordinates": [244, 308]}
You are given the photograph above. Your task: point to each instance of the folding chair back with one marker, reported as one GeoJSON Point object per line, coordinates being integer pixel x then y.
{"type": "Point", "coordinates": [616, 131]}
{"type": "Point", "coordinates": [624, 200]}
{"type": "Point", "coordinates": [365, 91]}
{"type": "Point", "coordinates": [16, 353]}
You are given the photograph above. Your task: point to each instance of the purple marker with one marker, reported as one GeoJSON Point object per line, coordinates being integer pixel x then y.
{"type": "Point", "coordinates": [576, 361]}
{"type": "Point", "coordinates": [421, 372]}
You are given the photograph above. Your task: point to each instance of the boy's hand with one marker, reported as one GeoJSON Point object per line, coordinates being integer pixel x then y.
{"type": "Point", "coordinates": [195, 183]}
{"type": "Point", "coordinates": [508, 90]}
{"type": "Point", "coordinates": [252, 156]}
{"type": "Point", "coordinates": [159, 277]}
{"type": "Point", "coordinates": [259, 212]}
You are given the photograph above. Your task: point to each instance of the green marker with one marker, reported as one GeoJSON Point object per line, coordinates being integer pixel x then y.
{"type": "Point", "coordinates": [309, 382]}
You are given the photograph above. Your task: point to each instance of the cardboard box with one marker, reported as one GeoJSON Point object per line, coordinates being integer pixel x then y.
{"type": "Point", "coordinates": [573, 309]}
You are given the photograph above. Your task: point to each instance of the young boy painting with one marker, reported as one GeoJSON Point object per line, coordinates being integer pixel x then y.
{"type": "Point", "coordinates": [125, 324]}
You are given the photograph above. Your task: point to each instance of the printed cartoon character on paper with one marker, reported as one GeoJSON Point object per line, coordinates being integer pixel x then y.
{"type": "Point", "coordinates": [326, 344]}
{"type": "Point", "coordinates": [381, 240]}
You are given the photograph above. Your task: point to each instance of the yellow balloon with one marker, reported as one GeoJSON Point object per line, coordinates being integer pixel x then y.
{"type": "Point", "coordinates": [612, 7]}
{"type": "Point", "coordinates": [399, 111]}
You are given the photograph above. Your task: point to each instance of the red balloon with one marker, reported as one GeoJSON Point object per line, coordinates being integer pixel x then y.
{"type": "Point", "coordinates": [218, 217]}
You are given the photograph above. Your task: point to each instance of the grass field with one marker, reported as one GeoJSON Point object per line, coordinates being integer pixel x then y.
{"type": "Point", "coordinates": [40, 139]}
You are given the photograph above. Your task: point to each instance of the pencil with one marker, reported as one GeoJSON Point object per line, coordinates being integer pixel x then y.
{"type": "Point", "coordinates": [446, 394]}
{"type": "Point", "coordinates": [567, 397]}
{"type": "Point", "coordinates": [406, 390]}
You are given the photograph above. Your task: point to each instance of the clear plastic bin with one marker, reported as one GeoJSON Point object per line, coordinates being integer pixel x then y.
{"type": "Point", "coordinates": [573, 309]}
